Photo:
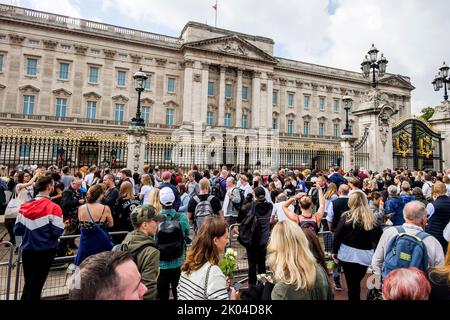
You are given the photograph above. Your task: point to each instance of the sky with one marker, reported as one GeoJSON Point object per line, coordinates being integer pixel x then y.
{"type": "Point", "coordinates": [412, 34]}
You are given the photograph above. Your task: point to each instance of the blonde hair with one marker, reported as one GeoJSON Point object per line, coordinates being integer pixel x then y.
{"type": "Point", "coordinates": [145, 180]}
{"type": "Point", "coordinates": [153, 199]}
{"type": "Point", "coordinates": [289, 256]}
{"type": "Point", "coordinates": [332, 189]}
{"type": "Point", "coordinates": [126, 190]}
{"type": "Point", "coordinates": [360, 212]}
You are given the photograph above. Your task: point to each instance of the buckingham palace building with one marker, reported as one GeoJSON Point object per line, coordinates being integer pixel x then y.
{"type": "Point", "coordinates": [67, 95]}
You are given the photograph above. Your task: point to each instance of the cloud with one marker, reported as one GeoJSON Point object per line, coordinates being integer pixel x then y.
{"type": "Point", "coordinates": [64, 7]}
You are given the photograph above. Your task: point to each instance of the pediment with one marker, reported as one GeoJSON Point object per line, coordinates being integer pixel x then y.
{"type": "Point", "coordinates": [62, 91]}
{"type": "Point", "coordinates": [291, 114]}
{"type": "Point", "coordinates": [397, 81]}
{"type": "Point", "coordinates": [337, 119]}
{"type": "Point", "coordinates": [29, 87]}
{"type": "Point", "coordinates": [147, 101]}
{"type": "Point", "coordinates": [307, 117]}
{"type": "Point", "coordinates": [322, 118]}
{"type": "Point", "coordinates": [120, 97]}
{"type": "Point", "coordinates": [92, 95]}
{"type": "Point", "coordinates": [170, 103]}
{"type": "Point", "coordinates": [2, 86]}
{"type": "Point", "coordinates": [232, 45]}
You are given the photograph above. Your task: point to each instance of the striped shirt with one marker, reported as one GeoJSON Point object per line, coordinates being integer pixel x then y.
{"type": "Point", "coordinates": [192, 287]}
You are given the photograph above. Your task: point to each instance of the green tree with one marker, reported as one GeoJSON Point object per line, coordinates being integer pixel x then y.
{"type": "Point", "coordinates": [427, 113]}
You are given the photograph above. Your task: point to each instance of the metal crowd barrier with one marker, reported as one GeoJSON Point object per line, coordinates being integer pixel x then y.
{"type": "Point", "coordinates": [6, 265]}
{"type": "Point", "coordinates": [56, 283]}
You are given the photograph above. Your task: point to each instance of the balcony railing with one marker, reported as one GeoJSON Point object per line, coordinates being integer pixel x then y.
{"type": "Point", "coordinates": [18, 13]}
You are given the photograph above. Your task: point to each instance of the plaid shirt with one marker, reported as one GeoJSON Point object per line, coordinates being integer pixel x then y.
{"type": "Point", "coordinates": [176, 263]}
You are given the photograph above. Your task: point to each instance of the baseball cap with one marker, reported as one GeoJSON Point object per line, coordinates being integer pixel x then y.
{"type": "Point", "coordinates": [145, 213]}
{"type": "Point", "coordinates": [166, 196]}
{"type": "Point", "coordinates": [166, 175]}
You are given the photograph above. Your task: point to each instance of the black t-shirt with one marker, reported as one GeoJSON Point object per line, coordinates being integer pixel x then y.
{"type": "Point", "coordinates": [215, 203]}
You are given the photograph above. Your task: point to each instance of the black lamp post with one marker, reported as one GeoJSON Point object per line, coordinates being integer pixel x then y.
{"type": "Point", "coordinates": [441, 80]}
{"type": "Point", "coordinates": [347, 106]}
{"type": "Point", "coordinates": [139, 82]}
{"type": "Point", "coordinates": [372, 64]}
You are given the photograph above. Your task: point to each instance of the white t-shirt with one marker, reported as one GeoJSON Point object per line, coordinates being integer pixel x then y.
{"type": "Point", "coordinates": [278, 211]}
{"type": "Point", "coordinates": [88, 179]}
{"type": "Point", "coordinates": [145, 190]}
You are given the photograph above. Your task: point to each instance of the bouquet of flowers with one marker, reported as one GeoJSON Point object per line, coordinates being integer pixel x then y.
{"type": "Point", "coordinates": [228, 265]}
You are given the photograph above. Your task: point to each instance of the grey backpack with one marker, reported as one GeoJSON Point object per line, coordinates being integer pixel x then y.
{"type": "Point", "coordinates": [202, 211]}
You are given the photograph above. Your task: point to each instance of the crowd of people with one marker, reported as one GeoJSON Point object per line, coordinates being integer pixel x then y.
{"type": "Point", "coordinates": [170, 229]}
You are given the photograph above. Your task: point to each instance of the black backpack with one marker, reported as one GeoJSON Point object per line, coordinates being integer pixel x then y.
{"type": "Point", "coordinates": [238, 206]}
{"type": "Point", "coordinates": [249, 230]}
{"type": "Point", "coordinates": [170, 239]}
{"type": "Point", "coordinates": [217, 189]}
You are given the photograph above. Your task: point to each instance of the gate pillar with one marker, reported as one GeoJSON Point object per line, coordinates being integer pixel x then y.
{"type": "Point", "coordinates": [375, 113]}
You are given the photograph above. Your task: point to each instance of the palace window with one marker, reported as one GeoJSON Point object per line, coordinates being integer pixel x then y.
{"type": "Point", "coordinates": [306, 101]}
{"type": "Point", "coordinates": [169, 117]}
{"type": "Point", "coordinates": [118, 114]}
{"type": "Point", "coordinates": [274, 123]}
{"type": "Point", "coordinates": [322, 104]}
{"type": "Point", "coordinates": [275, 98]}
{"type": "Point", "coordinates": [244, 93]}
{"type": "Point", "coordinates": [171, 85]}
{"type": "Point", "coordinates": [145, 114]}
{"type": "Point", "coordinates": [61, 107]}
{"type": "Point", "coordinates": [28, 104]}
{"type": "Point", "coordinates": [228, 90]}
{"type": "Point", "coordinates": [210, 89]}
{"type": "Point", "coordinates": [1, 62]}
{"type": "Point", "coordinates": [321, 129]}
{"type": "Point", "coordinates": [290, 100]}
{"type": "Point", "coordinates": [244, 121]}
{"type": "Point", "coordinates": [64, 71]}
{"type": "Point", "coordinates": [336, 129]}
{"type": "Point", "coordinates": [306, 128]}
{"type": "Point", "coordinates": [91, 109]}
{"type": "Point", "coordinates": [227, 120]}
{"type": "Point", "coordinates": [31, 67]}
{"type": "Point", "coordinates": [121, 78]}
{"type": "Point", "coordinates": [336, 105]}
{"type": "Point", "coordinates": [93, 74]}
{"type": "Point", "coordinates": [148, 83]}
{"type": "Point", "coordinates": [210, 118]}
{"type": "Point", "coordinates": [290, 128]}
{"type": "Point", "coordinates": [168, 154]}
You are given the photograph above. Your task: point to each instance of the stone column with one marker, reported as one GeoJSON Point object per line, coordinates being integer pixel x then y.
{"type": "Point", "coordinates": [187, 92]}
{"type": "Point", "coordinates": [375, 113]}
{"type": "Point", "coordinates": [441, 122]}
{"type": "Point", "coordinates": [347, 152]}
{"type": "Point", "coordinates": [269, 100]}
{"type": "Point", "coordinates": [14, 75]}
{"type": "Point", "coordinates": [238, 122]}
{"type": "Point", "coordinates": [108, 79]}
{"type": "Point", "coordinates": [79, 82]}
{"type": "Point", "coordinates": [221, 115]}
{"type": "Point", "coordinates": [282, 98]}
{"type": "Point", "coordinates": [256, 108]}
{"type": "Point", "coordinates": [204, 97]}
{"type": "Point", "coordinates": [47, 68]}
{"type": "Point", "coordinates": [137, 139]}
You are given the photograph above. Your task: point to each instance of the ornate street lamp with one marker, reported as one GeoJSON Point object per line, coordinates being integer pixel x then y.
{"type": "Point", "coordinates": [139, 83]}
{"type": "Point", "coordinates": [442, 80]}
{"type": "Point", "coordinates": [347, 106]}
{"type": "Point", "coordinates": [372, 63]}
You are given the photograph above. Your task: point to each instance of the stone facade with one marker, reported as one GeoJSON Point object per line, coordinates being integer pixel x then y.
{"type": "Point", "coordinates": [228, 74]}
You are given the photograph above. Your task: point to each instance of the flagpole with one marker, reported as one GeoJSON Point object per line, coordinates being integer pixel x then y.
{"type": "Point", "coordinates": [216, 15]}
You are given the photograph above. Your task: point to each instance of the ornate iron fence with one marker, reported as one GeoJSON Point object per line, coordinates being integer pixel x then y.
{"type": "Point", "coordinates": [360, 152]}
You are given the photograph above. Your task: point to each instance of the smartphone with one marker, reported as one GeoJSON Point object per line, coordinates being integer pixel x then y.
{"type": "Point", "coordinates": [237, 286]}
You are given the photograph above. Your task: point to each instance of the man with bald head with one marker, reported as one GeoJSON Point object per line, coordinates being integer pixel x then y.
{"type": "Point", "coordinates": [415, 216]}
{"type": "Point", "coordinates": [338, 207]}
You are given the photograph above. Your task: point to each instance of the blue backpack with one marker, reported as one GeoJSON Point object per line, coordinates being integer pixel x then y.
{"type": "Point", "coordinates": [406, 250]}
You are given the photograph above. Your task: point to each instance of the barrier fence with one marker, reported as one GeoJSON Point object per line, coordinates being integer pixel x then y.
{"type": "Point", "coordinates": [56, 285]}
